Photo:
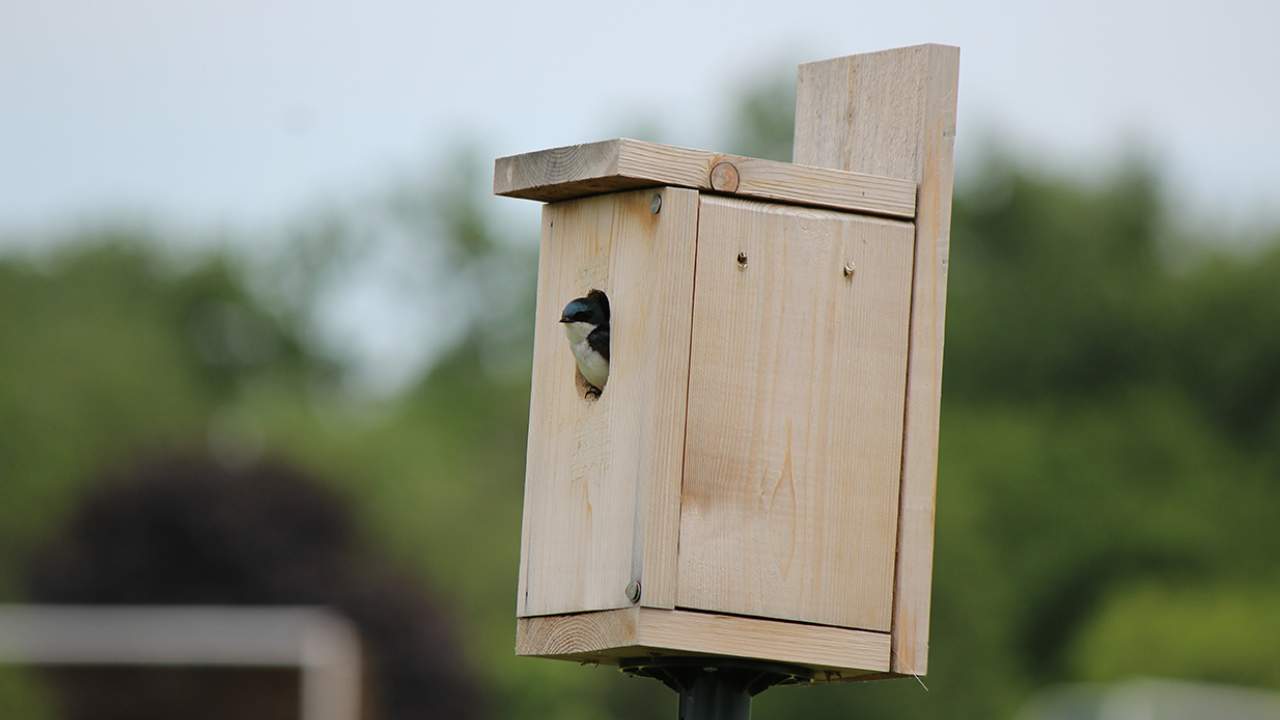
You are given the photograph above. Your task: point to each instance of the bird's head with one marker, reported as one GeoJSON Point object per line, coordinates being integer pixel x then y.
{"type": "Point", "coordinates": [592, 310]}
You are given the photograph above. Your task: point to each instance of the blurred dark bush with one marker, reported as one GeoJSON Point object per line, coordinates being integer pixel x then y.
{"type": "Point", "coordinates": [187, 529]}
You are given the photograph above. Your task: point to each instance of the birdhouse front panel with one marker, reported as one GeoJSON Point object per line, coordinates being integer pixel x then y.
{"type": "Point", "coordinates": [602, 479]}
{"type": "Point", "coordinates": [794, 439]}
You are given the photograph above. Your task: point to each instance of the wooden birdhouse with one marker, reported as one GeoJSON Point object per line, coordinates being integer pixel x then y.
{"type": "Point", "coordinates": [756, 479]}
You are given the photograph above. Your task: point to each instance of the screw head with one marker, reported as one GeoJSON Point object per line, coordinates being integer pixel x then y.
{"type": "Point", "coordinates": [849, 269]}
{"type": "Point", "coordinates": [633, 591]}
{"type": "Point", "coordinates": [742, 261]}
{"type": "Point", "coordinates": [655, 204]}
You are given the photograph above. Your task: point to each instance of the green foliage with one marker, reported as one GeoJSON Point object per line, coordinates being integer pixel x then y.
{"type": "Point", "coordinates": [1205, 633]}
{"type": "Point", "coordinates": [1110, 435]}
{"type": "Point", "coordinates": [23, 694]}
{"type": "Point", "coordinates": [103, 352]}
{"type": "Point", "coordinates": [764, 119]}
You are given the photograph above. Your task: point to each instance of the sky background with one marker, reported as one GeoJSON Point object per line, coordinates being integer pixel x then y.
{"type": "Point", "coordinates": [244, 113]}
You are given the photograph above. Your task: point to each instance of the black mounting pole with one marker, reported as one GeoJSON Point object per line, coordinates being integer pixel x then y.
{"type": "Point", "coordinates": [715, 688]}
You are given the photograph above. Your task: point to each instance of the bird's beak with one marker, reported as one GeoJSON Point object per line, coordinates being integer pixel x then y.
{"type": "Point", "coordinates": [564, 319]}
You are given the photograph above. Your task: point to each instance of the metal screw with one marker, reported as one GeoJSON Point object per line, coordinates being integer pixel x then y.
{"type": "Point", "coordinates": [633, 591]}
{"type": "Point", "coordinates": [655, 204]}
{"type": "Point", "coordinates": [848, 269]}
{"type": "Point", "coordinates": [742, 261]}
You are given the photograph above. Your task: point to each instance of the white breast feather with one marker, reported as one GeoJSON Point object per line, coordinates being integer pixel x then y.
{"type": "Point", "coordinates": [591, 364]}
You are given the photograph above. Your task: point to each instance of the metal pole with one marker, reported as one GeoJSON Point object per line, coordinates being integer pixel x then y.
{"type": "Point", "coordinates": [715, 688]}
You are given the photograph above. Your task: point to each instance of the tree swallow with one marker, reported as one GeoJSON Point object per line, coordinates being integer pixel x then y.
{"type": "Point", "coordinates": [586, 323]}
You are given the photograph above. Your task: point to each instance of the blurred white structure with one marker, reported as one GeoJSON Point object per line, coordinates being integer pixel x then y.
{"type": "Point", "coordinates": [321, 645]}
{"type": "Point", "coordinates": [1152, 699]}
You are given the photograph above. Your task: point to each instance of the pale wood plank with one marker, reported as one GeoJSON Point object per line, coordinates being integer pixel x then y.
{"type": "Point", "coordinates": [893, 113]}
{"type": "Point", "coordinates": [796, 395]}
{"type": "Point", "coordinates": [652, 326]}
{"type": "Point", "coordinates": [622, 164]}
{"type": "Point", "coordinates": [810, 645]}
{"type": "Point", "coordinates": [837, 653]}
{"type": "Point", "coordinates": [603, 476]}
{"type": "Point", "coordinates": [583, 635]}
{"type": "Point", "coordinates": [563, 173]}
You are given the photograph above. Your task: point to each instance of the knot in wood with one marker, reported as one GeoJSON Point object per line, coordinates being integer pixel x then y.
{"type": "Point", "coordinates": [724, 177]}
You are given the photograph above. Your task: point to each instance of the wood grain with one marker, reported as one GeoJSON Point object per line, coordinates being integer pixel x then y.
{"type": "Point", "coordinates": [793, 451]}
{"type": "Point", "coordinates": [623, 164]}
{"type": "Point", "coordinates": [602, 477]}
{"type": "Point", "coordinates": [785, 642]}
{"type": "Point", "coordinates": [893, 113]}
{"type": "Point", "coordinates": [579, 636]}
{"type": "Point", "coordinates": [838, 653]}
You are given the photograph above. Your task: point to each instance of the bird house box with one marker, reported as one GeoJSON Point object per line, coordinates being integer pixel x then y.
{"type": "Point", "coordinates": [756, 479]}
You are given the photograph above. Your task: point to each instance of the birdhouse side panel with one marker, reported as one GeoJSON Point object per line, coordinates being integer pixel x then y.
{"type": "Point", "coordinates": [602, 482]}
{"type": "Point", "coordinates": [798, 372]}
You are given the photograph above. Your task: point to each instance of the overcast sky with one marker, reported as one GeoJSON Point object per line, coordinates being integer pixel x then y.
{"type": "Point", "coordinates": [243, 112]}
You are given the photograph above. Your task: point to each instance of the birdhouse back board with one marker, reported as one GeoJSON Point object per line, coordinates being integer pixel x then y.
{"type": "Point", "coordinates": [794, 439]}
{"type": "Point", "coordinates": [602, 483]}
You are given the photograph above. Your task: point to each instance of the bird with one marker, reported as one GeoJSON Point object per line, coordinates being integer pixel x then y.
{"type": "Point", "coordinates": [586, 324]}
